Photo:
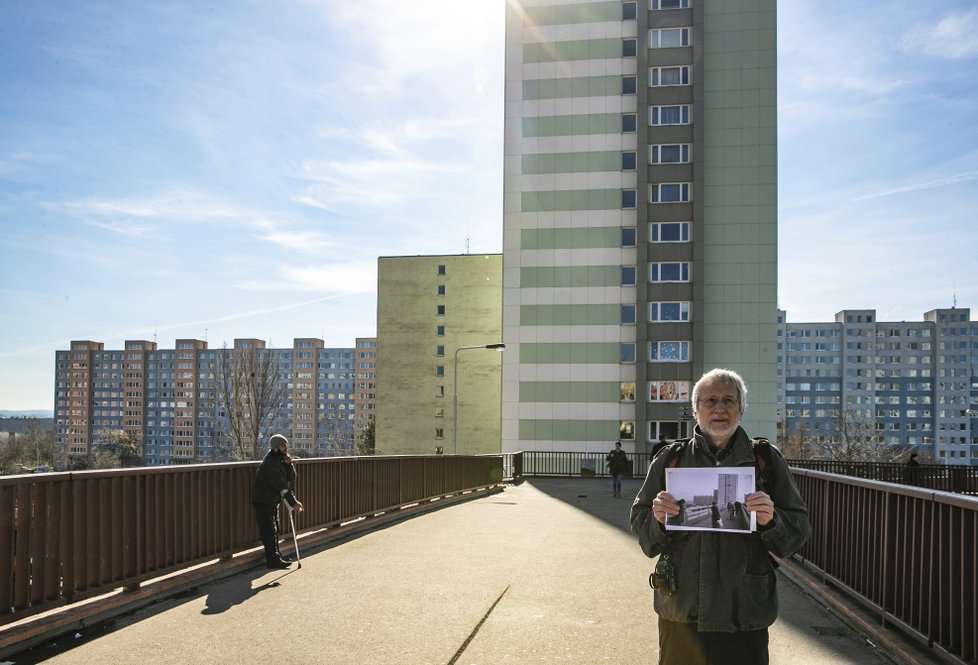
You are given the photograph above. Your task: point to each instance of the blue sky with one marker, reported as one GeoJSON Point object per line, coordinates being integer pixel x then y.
{"type": "Point", "coordinates": [234, 169]}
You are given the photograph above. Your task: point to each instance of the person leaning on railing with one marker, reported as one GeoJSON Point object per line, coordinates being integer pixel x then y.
{"type": "Point", "coordinates": [715, 592]}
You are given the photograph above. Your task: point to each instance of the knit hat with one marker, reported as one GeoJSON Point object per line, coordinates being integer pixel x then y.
{"type": "Point", "coordinates": [277, 440]}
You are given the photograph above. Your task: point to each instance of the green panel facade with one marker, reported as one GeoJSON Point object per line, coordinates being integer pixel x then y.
{"type": "Point", "coordinates": [583, 86]}
{"type": "Point", "coordinates": [585, 12]}
{"type": "Point", "coordinates": [590, 49]}
{"type": "Point", "coordinates": [569, 430]}
{"type": "Point", "coordinates": [569, 391]}
{"type": "Point", "coordinates": [572, 162]}
{"type": "Point", "coordinates": [571, 125]}
{"type": "Point", "coordinates": [595, 237]}
{"type": "Point", "coordinates": [603, 314]}
{"type": "Point", "coordinates": [561, 276]}
{"type": "Point", "coordinates": [583, 199]}
{"type": "Point", "coordinates": [593, 353]}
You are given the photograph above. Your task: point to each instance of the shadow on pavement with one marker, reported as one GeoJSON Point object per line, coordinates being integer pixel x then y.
{"type": "Point", "coordinates": [592, 496]}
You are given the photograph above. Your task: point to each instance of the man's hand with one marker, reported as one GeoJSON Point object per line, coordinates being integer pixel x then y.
{"type": "Point", "coordinates": [761, 503]}
{"type": "Point", "coordinates": [664, 506]}
{"type": "Point", "coordinates": [298, 506]}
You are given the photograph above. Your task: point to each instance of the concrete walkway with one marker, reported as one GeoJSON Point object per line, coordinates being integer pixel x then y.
{"type": "Point", "coordinates": [545, 572]}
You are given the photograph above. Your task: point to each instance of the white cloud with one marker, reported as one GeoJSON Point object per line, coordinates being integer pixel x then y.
{"type": "Point", "coordinates": [930, 184]}
{"type": "Point", "coordinates": [952, 37]}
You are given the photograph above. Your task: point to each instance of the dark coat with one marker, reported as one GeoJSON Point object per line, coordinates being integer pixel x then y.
{"type": "Point", "coordinates": [617, 461]}
{"type": "Point", "coordinates": [272, 481]}
{"type": "Point", "coordinates": [725, 581]}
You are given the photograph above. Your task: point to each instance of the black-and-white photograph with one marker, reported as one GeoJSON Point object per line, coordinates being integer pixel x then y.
{"type": "Point", "coordinates": [711, 499]}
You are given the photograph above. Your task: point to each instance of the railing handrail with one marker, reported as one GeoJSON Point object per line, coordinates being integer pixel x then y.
{"type": "Point", "coordinates": [66, 536]}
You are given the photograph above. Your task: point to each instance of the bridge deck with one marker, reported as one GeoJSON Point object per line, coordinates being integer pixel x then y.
{"type": "Point", "coordinates": [545, 572]}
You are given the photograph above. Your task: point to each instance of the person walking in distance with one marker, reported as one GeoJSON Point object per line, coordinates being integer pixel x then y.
{"type": "Point", "coordinates": [716, 592]}
{"type": "Point", "coordinates": [272, 485]}
{"type": "Point", "coordinates": [617, 464]}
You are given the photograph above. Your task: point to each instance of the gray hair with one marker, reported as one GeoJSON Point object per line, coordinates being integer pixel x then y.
{"type": "Point", "coordinates": [727, 376]}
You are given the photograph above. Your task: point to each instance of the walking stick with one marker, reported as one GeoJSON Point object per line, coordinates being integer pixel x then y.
{"type": "Point", "coordinates": [295, 540]}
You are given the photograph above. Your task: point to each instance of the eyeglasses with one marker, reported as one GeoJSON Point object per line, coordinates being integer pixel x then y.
{"type": "Point", "coordinates": [711, 403]}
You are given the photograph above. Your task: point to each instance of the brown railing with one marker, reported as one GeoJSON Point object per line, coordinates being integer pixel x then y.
{"type": "Point", "coordinates": [908, 553]}
{"type": "Point", "coordinates": [943, 477]}
{"type": "Point", "coordinates": [576, 464]}
{"type": "Point", "coordinates": [69, 536]}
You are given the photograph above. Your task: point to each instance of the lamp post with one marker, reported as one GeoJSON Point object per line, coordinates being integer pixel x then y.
{"type": "Point", "coordinates": [498, 346]}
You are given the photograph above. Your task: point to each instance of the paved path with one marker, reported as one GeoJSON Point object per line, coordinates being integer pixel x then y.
{"type": "Point", "coordinates": [545, 572]}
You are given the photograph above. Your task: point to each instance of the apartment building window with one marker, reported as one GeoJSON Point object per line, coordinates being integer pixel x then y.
{"type": "Point", "coordinates": [677, 153]}
{"type": "Point", "coordinates": [629, 48]}
{"type": "Point", "coordinates": [669, 232]}
{"type": "Point", "coordinates": [629, 123]}
{"type": "Point", "coordinates": [628, 199]}
{"type": "Point", "coordinates": [440, 310]}
{"type": "Point", "coordinates": [669, 192]}
{"type": "Point", "coordinates": [626, 352]}
{"type": "Point", "coordinates": [667, 312]}
{"type": "Point", "coordinates": [669, 115]}
{"type": "Point", "coordinates": [441, 269]}
{"type": "Point", "coordinates": [441, 289]}
{"type": "Point", "coordinates": [629, 11]}
{"type": "Point", "coordinates": [628, 276]}
{"type": "Point", "coordinates": [668, 76]}
{"type": "Point", "coordinates": [668, 37]}
{"type": "Point", "coordinates": [628, 315]}
{"type": "Point", "coordinates": [626, 391]}
{"type": "Point", "coordinates": [668, 391]}
{"type": "Point", "coordinates": [626, 430]}
{"type": "Point", "coordinates": [440, 331]}
{"type": "Point", "coordinates": [439, 370]}
{"type": "Point", "coordinates": [668, 4]}
{"type": "Point", "coordinates": [668, 352]}
{"type": "Point", "coordinates": [440, 350]}
{"type": "Point", "coordinates": [629, 85]}
{"type": "Point", "coordinates": [439, 433]}
{"type": "Point", "coordinates": [669, 272]}
{"type": "Point", "coordinates": [628, 236]}
{"type": "Point", "coordinates": [629, 161]}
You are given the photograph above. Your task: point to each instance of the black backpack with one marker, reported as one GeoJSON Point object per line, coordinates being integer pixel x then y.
{"type": "Point", "coordinates": [763, 461]}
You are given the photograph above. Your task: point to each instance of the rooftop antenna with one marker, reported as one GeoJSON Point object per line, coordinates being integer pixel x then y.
{"type": "Point", "coordinates": [154, 336]}
{"type": "Point", "coordinates": [467, 238]}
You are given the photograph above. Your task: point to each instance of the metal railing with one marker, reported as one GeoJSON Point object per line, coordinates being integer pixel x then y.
{"type": "Point", "coordinates": [942, 477]}
{"type": "Point", "coordinates": [579, 465]}
{"type": "Point", "coordinates": [69, 536]}
{"type": "Point", "coordinates": [908, 553]}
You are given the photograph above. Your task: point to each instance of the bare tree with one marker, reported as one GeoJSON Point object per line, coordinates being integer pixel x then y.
{"type": "Point", "coordinates": [115, 448]}
{"type": "Point", "coordinates": [27, 451]}
{"type": "Point", "coordinates": [797, 444]}
{"type": "Point", "coordinates": [367, 439]}
{"type": "Point", "coordinates": [252, 395]}
{"type": "Point", "coordinates": [339, 435]}
{"type": "Point", "coordinates": [857, 438]}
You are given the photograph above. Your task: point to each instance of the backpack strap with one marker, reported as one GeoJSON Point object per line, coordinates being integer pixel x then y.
{"type": "Point", "coordinates": [763, 460]}
{"type": "Point", "coordinates": [763, 457]}
{"type": "Point", "coordinates": [673, 451]}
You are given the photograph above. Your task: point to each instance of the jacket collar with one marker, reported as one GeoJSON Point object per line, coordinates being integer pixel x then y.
{"type": "Point", "coordinates": [739, 449]}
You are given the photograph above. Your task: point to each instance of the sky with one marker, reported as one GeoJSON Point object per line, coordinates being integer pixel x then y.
{"type": "Point", "coordinates": [229, 169]}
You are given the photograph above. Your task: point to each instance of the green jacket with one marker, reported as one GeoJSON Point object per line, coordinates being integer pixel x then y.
{"type": "Point", "coordinates": [725, 581]}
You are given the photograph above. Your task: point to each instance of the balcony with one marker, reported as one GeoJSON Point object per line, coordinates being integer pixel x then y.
{"type": "Point", "coordinates": [436, 560]}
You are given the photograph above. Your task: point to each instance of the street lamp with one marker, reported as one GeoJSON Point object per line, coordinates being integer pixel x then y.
{"type": "Point", "coordinates": [498, 346]}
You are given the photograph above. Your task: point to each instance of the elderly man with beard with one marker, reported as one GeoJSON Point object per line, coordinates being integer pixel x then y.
{"type": "Point", "coordinates": [716, 592]}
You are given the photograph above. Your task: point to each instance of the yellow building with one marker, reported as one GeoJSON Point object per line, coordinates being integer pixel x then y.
{"type": "Point", "coordinates": [436, 315]}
